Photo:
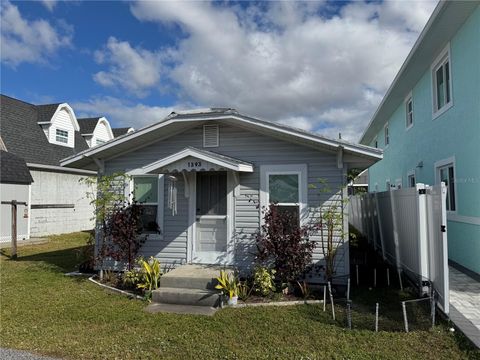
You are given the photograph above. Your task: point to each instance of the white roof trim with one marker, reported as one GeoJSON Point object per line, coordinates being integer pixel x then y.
{"type": "Point", "coordinates": [334, 144]}
{"type": "Point", "coordinates": [107, 124]}
{"type": "Point", "coordinates": [214, 158]}
{"type": "Point", "coordinates": [73, 117]}
{"type": "Point", "coordinates": [60, 169]}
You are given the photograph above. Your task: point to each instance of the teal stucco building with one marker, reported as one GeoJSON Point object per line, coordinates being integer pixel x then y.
{"type": "Point", "coordinates": [428, 124]}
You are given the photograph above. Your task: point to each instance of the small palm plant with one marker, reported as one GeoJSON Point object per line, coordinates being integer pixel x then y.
{"type": "Point", "coordinates": [228, 283]}
{"type": "Point", "coordinates": [151, 275]}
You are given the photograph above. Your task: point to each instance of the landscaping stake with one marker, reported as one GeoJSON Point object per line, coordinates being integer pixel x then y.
{"type": "Point", "coordinates": [376, 317]}
{"type": "Point", "coordinates": [388, 277]}
{"type": "Point", "coordinates": [349, 314]}
{"type": "Point", "coordinates": [432, 308]}
{"type": "Point", "coordinates": [324, 297]}
{"type": "Point", "coordinates": [348, 289]}
{"type": "Point", "coordinates": [331, 299]}
{"type": "Point", "coordinates": [400, 279]}
{"type": "Point", "coordinates": [405, 320]}
{"type": "Point", "coordinates": [357, 274]}
{"type": "Point", "coordinates": [375, 277]}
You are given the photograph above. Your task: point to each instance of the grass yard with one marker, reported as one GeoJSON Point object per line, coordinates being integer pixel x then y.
{"type": "Point", "coordinates": [48, 313]}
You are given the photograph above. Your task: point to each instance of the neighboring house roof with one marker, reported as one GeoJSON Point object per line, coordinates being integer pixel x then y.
{"type": "Point", "coordinates": [178, 121]}
{"type": "Point", "coordinates": [87, 125]}
{"type": "Point", "coordinates": [121, 131]}
{"type": "Point", "coordinates": [25, 138]}
{"type": "Point", "coordinates": [445, 21]}
{"type": "Point", "coordinates": [46, 112]}
{"type": "Point", "coordinates": [13, 169]}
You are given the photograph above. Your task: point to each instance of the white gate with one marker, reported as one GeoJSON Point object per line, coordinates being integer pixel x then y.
{"type": "Point", "coordinates": [408, 227]}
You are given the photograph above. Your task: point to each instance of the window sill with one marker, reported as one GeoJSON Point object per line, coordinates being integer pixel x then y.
{"type": "Point", "coordinates": [444, 109]}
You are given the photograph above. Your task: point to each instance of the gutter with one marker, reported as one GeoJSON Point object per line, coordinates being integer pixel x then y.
{"type": "Point", "coordinates": [60, 169]}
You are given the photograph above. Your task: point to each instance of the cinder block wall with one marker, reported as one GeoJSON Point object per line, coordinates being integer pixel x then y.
{"type": "Point", "coordinates": [59, 188]}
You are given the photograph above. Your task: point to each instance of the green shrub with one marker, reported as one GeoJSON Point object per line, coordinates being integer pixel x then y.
{"type": "Point", "coordinates": [228, 284]}
{"type": "Point", "coordinates": [151, 275]}
{"type": "Point", "coordinates": [263, 280]}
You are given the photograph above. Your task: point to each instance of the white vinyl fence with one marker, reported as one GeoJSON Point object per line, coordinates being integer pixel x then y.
{"type": "Point", "coordinates": [408, 228]}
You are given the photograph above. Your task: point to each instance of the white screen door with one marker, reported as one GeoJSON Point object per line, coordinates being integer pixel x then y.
{"type": "Point", "coordinates": [210, 244]}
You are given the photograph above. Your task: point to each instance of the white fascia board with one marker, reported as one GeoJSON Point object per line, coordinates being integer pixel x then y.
{"type": "Point", "coordinates": [60, 169]}
{"type": "Point", "coordinates": [358, 149]}
{"type": "Point", "coordinates": [73, 117]}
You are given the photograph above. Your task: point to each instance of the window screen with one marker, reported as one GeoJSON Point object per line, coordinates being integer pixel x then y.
{"type": "Point", "coordinates": [211, 193]}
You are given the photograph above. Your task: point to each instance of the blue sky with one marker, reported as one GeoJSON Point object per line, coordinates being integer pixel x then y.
{"type": "Point", "coordinates": [321, 66]}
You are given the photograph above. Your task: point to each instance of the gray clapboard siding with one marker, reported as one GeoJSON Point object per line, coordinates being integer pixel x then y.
{"type": "Point", "coordinates": [249, 146]}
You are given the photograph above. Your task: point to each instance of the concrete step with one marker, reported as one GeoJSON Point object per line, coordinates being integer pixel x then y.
{"type": "Point", "coordinates": [185, 296]}
{"type": "Point", "coordinates": [188, 282]}
{"type": "Point", "coordinates": [192, 276]}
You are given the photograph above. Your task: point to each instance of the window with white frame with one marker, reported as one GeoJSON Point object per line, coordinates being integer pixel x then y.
{"type": "Point", "coordinates": [145, 192]}
{"type": "Point", "coordinates": [375, 143]}
{"type": "Point", "coordinates": [446, 174]}
{"type": "Point", "coordinates": [387, 135]}
{"type": "Point", "coordinates": [411, 179]}
{"type": "Point", "coordinates": [409, 112]}
{"type": "Point", "coordinates": [61, 136]}
{"type": "Point", "coordinates": [284, 186]}
{"type": "Point", "coordinates": [441, 83]}
{"type": "Point", "coordinates": [99, 141]}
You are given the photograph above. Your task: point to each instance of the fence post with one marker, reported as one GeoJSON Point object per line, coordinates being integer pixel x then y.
{"type": "Point", "coordinates": [379, 219]}
{"type": "Point", "coordinates": [405, 319]}
{"type": "Point", "coordinates": [422, 235]}
{"type": "Point", "coordinates": [14, 229]}
{"type": "Point", "coordinates": [376, 317]}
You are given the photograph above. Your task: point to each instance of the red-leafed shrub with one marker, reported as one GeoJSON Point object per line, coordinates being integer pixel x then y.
{"type": "Point", "coordinates": [122, 234]}
{"type": "Point", "coordinates": [284, 245]}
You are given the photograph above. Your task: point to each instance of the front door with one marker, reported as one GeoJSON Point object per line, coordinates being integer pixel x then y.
{"type": "Point", "coordinates": [211, 240]}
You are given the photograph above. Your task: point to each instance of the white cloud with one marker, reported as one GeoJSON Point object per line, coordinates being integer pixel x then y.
{"type": "Point", "coordinates": [29, 41]}
{"type": "Point", "coordinates": [120, 112]}
{"type": "Point", "coordinates": [135, 70]}
{"type": "Point", "coordinates": [284, 62]}
{"type": "Point", "coordinates": [49, 4]}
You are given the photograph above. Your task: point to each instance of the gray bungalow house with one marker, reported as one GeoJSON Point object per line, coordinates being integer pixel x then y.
{"type": "Point", "coordinates": [203, 177]}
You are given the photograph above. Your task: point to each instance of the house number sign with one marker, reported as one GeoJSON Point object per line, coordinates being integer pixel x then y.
{"type": "Point", "coordinates": [194, 164]}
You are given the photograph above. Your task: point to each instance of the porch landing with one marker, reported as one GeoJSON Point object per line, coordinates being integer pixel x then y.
{"type": "Point", "coordinates": [192, 285]}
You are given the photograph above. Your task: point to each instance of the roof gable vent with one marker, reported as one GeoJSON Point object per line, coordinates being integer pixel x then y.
{"type": "Point", "coordinates": [210, 135]}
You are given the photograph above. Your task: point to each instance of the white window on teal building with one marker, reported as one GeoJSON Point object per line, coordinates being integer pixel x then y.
{"type": "Point", "coordinates": [445, 172]}
{"type": "Point", "coordinates": [387, 135]}
{"type": "Point", "coordinates": [411, 179]}
{"type": "Point", "coordinates": [409, 112]}
{"type": "Point", "coordinates": [442, 83]}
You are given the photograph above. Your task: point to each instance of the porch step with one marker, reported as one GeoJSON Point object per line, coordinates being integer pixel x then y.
{"type": "Point", "coordinates": [185, 296]}
{"type": "Point", "coordinates": [201, 277]}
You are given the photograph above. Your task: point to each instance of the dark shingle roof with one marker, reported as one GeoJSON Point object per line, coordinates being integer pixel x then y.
{"type": "Point", "coordinates": [120, 131]}
{"type": "Point", "coordinates": [46, 112]}
{"type": "Point", "coordinates": [87, 125]}
{"type": "Point", "coordinates": [13, 169]}
{"type": "Point", "coordinates": [25, 138]}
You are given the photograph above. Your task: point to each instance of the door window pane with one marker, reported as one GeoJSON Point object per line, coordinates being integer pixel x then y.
{"type": "Point", "coordinates": [447, 176]}
{"type": "Point", "coordinates": [149, 219]}
{"type": "Point", "coordinates": [211, 193]}
{"type": "Point", "coordinates": [283, 188]}
{"type": "Point", "coordinates": [146, 189]}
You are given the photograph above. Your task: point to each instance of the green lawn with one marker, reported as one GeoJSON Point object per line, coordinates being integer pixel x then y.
{"type": "Point", "coordinates": [48, 313]}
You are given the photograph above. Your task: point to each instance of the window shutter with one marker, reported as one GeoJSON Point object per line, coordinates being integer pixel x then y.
{"type": "Point", "coordinates": [210, 136]}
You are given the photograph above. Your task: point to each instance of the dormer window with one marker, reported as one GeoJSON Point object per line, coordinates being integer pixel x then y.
{"type": "Point", "coordinates": [61, 136]}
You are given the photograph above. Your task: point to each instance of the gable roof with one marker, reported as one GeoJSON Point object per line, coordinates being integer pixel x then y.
{"type": "Point", "coordinates": [87, 125]}
{"type": "Point", "coordinates": [13, 169]}
{"type": "Point", "coordinates": [178, 121]}
{"type": "Point", "coordinates": [30, 143]}
{"type": "Point", "coordinates": [210, 157]}
{"type": "Point", "coordinates": [445, 21]}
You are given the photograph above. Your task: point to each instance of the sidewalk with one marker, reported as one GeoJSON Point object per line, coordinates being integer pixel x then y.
{"type": "Point", "coordinates": [31, 241]}
{"type": "Point", "coordinates": [465, 304]}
